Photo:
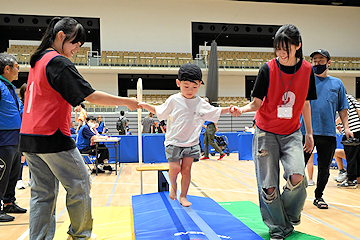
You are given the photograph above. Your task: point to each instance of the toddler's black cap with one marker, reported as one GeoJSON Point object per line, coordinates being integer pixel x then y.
{"type": "Point", "coordinates": [190, 72]}
{"type": "Point", "coordinates": [322, 52]}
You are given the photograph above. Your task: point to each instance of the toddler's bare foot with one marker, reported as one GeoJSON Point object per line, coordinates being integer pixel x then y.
{"type": "Point", "coordinates": [172, 194]}
{"type": "Point", "coordinates": [184, 202]}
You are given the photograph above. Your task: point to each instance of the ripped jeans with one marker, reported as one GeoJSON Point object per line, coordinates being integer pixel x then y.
{"type": "Point", "coordinates": [279, 210]}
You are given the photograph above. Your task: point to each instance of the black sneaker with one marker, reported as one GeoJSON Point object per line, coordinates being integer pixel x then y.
{"type": "Point", "coordinates": [5, 218]}
{"type": "Point", "coordinates": [99, 170]}
{"type": "Point", "coordinates": [14, 208]}
{"type": "Point", "coordinates": [348, 184]}
{"type": "Point", "coordinates": [109, 168]}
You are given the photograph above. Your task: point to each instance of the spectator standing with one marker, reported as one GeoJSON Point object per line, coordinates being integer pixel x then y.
{"type": "Point", "coordinates": [11, 109]}
{"type": "Point", "coordinates": [20, 184]}
{"type": "Point", "coordinates": [352, 152]}
{"type": "Point", "coordinates": [339, 156]}
{"type": "Point", "coordinates": [162, 126]}
{"type": "Point", "coordinates": [331, 97]}
{"type": "Point", "coordinates": [122, 124]}
{"type": "Point", "coordinates": [148, 123]}
{"type": "Point", "coordinates": [211, 129]}
{"type": "Point", "coordinates": [45, 138]}
{"type": "Point", "coordinates": [82, 115]}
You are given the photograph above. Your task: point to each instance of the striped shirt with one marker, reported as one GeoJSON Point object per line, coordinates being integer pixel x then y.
{"type": "Point", "coordinates": [354, 120]}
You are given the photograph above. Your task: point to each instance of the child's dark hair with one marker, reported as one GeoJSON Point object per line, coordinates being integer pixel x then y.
{"type": "Point", "coordinates": [69, 26]}
{"type": "Point", "coordinates": [286, 35]}
{"type": "Point", "coordinates": [88, 118]}
{"type": "Point", "coordinates": [23, 90]}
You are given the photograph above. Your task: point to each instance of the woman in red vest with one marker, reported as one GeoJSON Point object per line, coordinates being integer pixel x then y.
{"type": "Point", "coordinates": [54, 85]}
{"type": "Point", "coordinates": [282, 91]}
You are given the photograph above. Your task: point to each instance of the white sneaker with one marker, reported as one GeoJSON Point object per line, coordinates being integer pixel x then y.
{"type": "Point", "coordinates": [101, 166]}
{"type": "Point", "coordinates": [311, 182]}
{"type": "Point", "coordinates": [20, 184]}
{"type": "Point", "coordinates": [342, 176]}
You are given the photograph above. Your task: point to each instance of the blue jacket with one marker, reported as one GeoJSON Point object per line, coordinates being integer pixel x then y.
{"type": "Point", "coordinates": [10, 114]}
{"type": "Point", "coordinates": [83, 137]}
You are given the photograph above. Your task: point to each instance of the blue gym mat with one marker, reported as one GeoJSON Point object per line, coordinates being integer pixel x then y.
{"type": "Point", "coordinates": [156, 216]}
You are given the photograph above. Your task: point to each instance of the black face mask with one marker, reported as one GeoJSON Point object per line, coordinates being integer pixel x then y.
{"type": "Point", "coordinates": [319, 69]}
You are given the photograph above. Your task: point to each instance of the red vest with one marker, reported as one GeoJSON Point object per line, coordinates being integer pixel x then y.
{"type": "Point", "coordinates": [266, 116]}
{"type": "Point", "coordinates": [45, 110]}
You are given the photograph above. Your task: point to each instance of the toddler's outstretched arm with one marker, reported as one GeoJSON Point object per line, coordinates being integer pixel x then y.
{"type": "Point", "coordinates": [147, 106]}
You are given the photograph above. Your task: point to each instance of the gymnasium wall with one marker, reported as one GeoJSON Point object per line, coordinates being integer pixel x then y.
{"type": "Point", "coordinates": [231, 83]}
{"type": "Point", "coordinates": [165, 26]}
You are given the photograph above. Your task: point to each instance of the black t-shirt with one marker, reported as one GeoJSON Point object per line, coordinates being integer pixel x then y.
{"type": "Point", "coordinates": [64, 78]}
{"type": "Point", "coordinates": [262, 81]}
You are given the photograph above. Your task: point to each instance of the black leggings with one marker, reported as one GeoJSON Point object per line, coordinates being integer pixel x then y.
{"type": "Point", "coordinates": [103, 152]}
{"type": "Point", "coordinates": [325, 146]}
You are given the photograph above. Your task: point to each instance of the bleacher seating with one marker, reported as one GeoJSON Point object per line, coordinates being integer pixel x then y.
{"type": "Point", "coordinates": [226, 59]}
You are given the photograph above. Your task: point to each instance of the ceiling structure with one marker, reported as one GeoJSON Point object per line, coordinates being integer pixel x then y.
{"type": "Point", "coordinates": [348, 3]}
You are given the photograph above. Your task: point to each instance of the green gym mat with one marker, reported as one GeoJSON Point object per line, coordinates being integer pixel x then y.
{"type": "Point", "coordinates": [249, 214]}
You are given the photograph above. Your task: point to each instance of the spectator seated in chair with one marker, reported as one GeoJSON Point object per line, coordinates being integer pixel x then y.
{"type": "Point", "coordinates": [85, 143]}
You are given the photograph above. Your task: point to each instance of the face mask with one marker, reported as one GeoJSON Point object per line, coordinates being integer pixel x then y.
{"type": "Point", "coordinates": [319, 69]}
{"type": "Point", "coordinates": [91, 125]}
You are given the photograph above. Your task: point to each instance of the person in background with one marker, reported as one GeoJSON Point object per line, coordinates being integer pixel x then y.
{"type": "Point", "coordinates": [339, 156]}
{"type": "Point", "coordinates": [45, 139]}
{"type": "Point", "coordinates": [20, 184]}
{"type": "Point", "coordinates": [102, 129]}
{"type": "Point", "coordinates": [156, 128]}
{"type": "Point", "coordinates": [352, 152]}
{"type": "Point", "coordinates": [162, 126]}
{"type": "Point", "coordinates": [82, 116]}
{"type": "Point", "coordinates": [331, 98]}
{"type": "Point", "coordinates": [148, 123]}
{"type": "Point", "coordinates": [211, 129]}
{"type": "Point", "coordinates": [122, 124]}
{"type": "Point", "coordinates": [85, 143]}
{"type": "Point", "coordinates": [11, 109]}
{"type": "Point", "coordinates": [72, 128]}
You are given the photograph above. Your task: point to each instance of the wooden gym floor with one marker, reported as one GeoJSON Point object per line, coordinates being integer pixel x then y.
{"type": "Point", "coordinates": [224, 181]}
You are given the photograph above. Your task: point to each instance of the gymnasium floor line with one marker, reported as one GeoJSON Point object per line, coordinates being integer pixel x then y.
{"type": "Point", "coordinates": [330, 226]}
{"type": "Point", "coordinates": [114, 187]}
{"type": "Point", "coordinates": [308, 198]}
{"type": "Point", "coordinates": [199, 189]}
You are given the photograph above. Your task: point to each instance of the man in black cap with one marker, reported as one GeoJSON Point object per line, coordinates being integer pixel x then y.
{"type": "Point", "coordinates": [331, 98]}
